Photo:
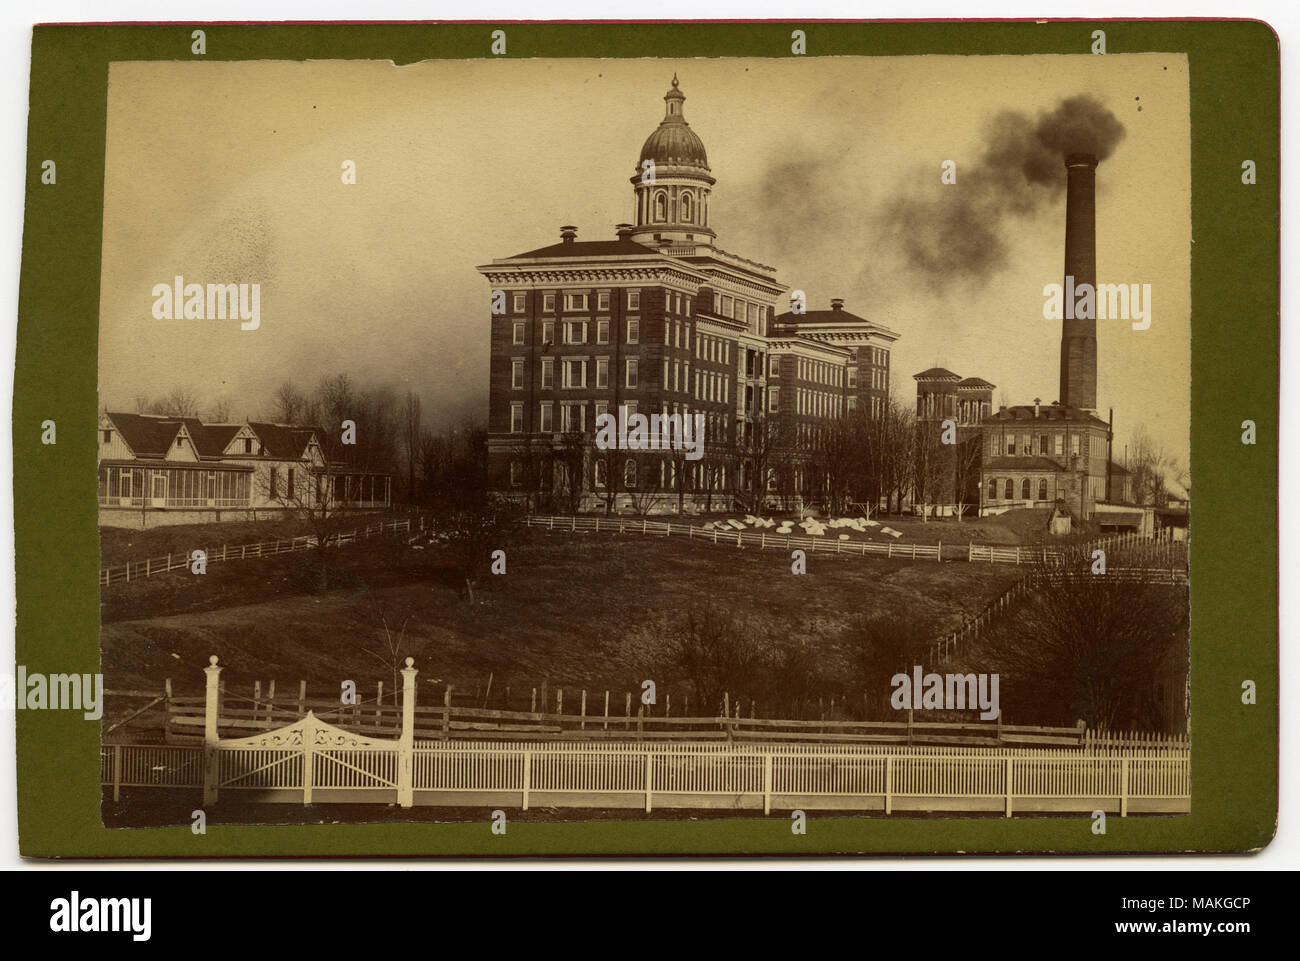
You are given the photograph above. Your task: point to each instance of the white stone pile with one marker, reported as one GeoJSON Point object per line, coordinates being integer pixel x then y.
{"type": "Point", "coordinates": [809, 525]}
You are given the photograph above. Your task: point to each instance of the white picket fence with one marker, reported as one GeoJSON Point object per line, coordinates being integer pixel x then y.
{"type": "Point", "coordinates": [765, 539]}
{"type": "Point", "coordinates": [134, 570]}
{"type": "Point", "coordinates": [759, 539]}
{"type": "Point", "coordinates": [1156, 779]}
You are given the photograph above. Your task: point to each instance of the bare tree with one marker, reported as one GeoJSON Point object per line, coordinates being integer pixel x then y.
{"type": "Point", "coordinates": [645, 493]}
{"type": "Point", "coordinates": [837, 453]}
{"type": "Point", "coordinates": [967, 458]}
{"type": "Point", "coordinates": [880, 646]}
{"type": "Point", "coordinates": [221, 411]}
{"type": "Point", "coordinates": [607, 475]}
{"type": "Point", "coordinates": [761, 442]}
{"type": "Point", "coordinates": [571, 459]}
{"type": "Point", "coordinates": [717, 653]}
{"type": "Point", "coordinates": [932, 466]}
{"type": "Point", "coordinates": [1148, 463]}
{"type": "Point", "coordinates": [1093, 646]}
{"type": "Point", "coordinates": [289, 405]}
{"type": "Point", "coordinates": [181, 402]}
{"type": "Point", "coordinates": [411, 435]}
{"type": "Point", "coordinates": [392, 655]}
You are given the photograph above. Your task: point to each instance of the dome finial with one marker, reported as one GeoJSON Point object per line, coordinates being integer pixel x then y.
{"type": "Point", "coordinates": [674, 78]}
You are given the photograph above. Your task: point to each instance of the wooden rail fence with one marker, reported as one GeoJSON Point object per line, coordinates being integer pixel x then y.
{"type": "Point", "coordinates": [1038, 556]}
{"type": "Point", "coordinates": [134, 570]}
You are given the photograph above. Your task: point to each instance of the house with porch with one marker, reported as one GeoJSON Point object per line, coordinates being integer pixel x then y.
{"type": "Point", "coordinates": [156, 469]}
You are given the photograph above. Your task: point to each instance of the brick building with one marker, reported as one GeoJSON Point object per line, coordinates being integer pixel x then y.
{"type": "Point", "coordinates": [662, 320]}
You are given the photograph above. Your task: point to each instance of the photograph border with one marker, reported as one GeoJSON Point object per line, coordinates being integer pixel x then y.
{"type": "Point", "coordinates": [1234, 98]}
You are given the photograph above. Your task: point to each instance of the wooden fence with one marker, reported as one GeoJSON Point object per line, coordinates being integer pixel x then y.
{"type": "Point", "coordinates": [134, 570]}
{"type": "Point", "coordinates": [310, 760]}
{"type": "Point", "coordinates": [738, 538]}
{"type": "Point", "coordinates": [180, 719]}
{"type": "Point", "coordinates": [762, 539]}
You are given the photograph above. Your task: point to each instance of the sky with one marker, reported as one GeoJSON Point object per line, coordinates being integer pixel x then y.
{"type": "Point", "coordinates": [827, 168]}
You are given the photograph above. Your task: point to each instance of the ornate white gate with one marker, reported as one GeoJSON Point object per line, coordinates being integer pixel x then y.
{"type": "Point", "coordinates": [309, 755]}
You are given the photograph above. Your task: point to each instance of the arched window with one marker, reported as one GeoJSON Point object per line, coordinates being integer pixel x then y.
{"type": "Point", "coordinates": [1011, 489]}
{"type": "Point", "coordinates": [993, 488]}
{"type": "Point", "coordinates": [688, 209]}
{"type": "Point", "coordinates": [1042, 488]}
{"type": "Point", "coordinates": [661, 206]}
{"type": "Point", "coordinates": [1024, 490]}
{"type": "Point", "coordinates": [629, 473]}
{"type": "Point", "coordinates": [516, 473]}
{"type": "Point", "coordinates": [600, 473]}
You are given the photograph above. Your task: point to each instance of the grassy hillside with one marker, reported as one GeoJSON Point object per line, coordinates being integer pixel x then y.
{"type": "Point", "coordinates": [576, 611]}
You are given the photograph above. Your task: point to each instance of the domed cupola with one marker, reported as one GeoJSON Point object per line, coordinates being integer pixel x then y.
{"type": "Point", "coordinates": [672, 182]}
{"type": "Point", "coordinates": [674, 142]}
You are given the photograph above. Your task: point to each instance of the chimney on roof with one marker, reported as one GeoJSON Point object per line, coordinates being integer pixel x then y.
{"type": "Point", "coordinates": [837, 303]}
{"type": "Point", "coordinates": [568, 234]}
{"type": "Point", "coordinates": [624, 231]}
{"type": "Point", "coordinates": [1036, 403]}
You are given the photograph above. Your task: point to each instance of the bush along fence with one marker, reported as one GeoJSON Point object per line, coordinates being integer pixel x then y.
{"type": "Point", "coordinates": [134, 570]}
{"type": "Point", "coordinates": [310, 760]}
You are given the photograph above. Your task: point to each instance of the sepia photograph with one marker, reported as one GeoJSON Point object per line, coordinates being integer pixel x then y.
{"type": "Point", "coordinates": [645, 438]}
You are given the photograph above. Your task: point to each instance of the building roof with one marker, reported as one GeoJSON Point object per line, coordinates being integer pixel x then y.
{"type": "Point", "coordinates": [673, 141]}
{"type": "Point", "coordinates": [1118, 469]}
{"type": "Point", "coordinates": [978, 382]}
{"type": "Point", "coordinates": [148, 435]}
{"type": "Point", "coordinates": [210, 440]}
{"type": "Point", "coordinates": [936, 373]}
{"type": "Point", "coordinates": [836, 315]}
{"type": "Point", "coordinates": [1012, 463]}
{"type": "Point", "coordinates": [1046, 412]}
{"type": "Point", "coordinates": [569, 249]}
{"type": "Point", "coordinates": [282, 441]}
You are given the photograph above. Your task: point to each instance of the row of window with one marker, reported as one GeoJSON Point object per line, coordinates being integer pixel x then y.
{"type": "Point", "coordinates": [1053, 444]}
{"type": "Point", "coordinates": [687, 205]}
{"type": "Point", "coordinates": [700, 474]}
{"type": "Point", "coordinates": [1008, 487]}
{"type": "Point", "coordinates": [577, 331]}
{"type": "Point", "coordinates": [175, 487]}
{"type": "Point", "coordinates": [820, 372]}
{"type": "Point", "coordinates": [573, 416]}
{"type": "Point", "coordinates": [573, 372]}
{"type": "Point", "coordinates": [714, 349]}
{"type": "Point", "coordinates": [574, 301]}
{"type": "Point", "coordinates": [754, 315]}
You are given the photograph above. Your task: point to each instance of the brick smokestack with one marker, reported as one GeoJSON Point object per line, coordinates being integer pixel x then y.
{"type": "Point", "coordinates": [1079, 337]}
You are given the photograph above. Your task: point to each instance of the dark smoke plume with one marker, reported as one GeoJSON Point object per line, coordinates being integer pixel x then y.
{"type": "Point", "coordinates": [917, 230]}
{"type": "Point", "coordinates": [956, 233]}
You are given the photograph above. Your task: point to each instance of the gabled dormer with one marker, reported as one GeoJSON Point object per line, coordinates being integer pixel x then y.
{"type": "Point", "coordinates": [245, 443]}
{"type": "Point", "coordinates": [182, 446]}
{"type": "Point", "coordinates": [113, 444]}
